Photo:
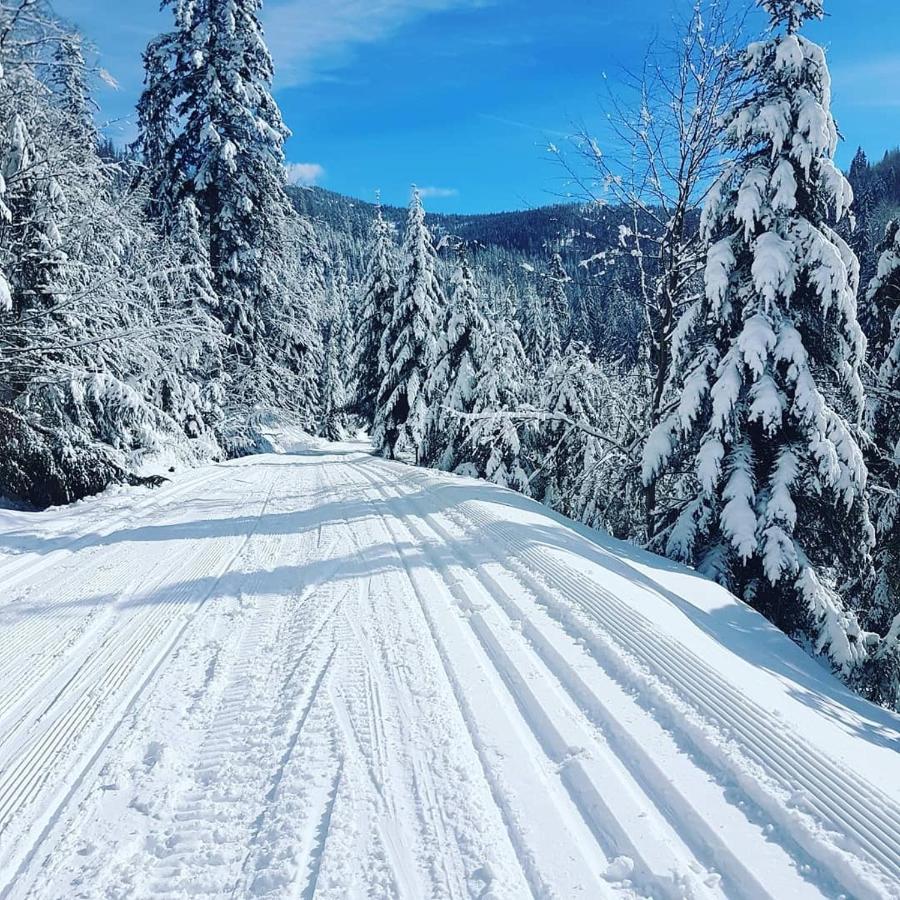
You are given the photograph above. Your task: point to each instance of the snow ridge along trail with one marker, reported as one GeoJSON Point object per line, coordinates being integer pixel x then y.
{"type": "Point", "coordinates": [319, 674]}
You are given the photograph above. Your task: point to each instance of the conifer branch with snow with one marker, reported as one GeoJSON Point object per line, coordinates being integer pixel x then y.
{"type": "Point", "coordinates": [761, 453]}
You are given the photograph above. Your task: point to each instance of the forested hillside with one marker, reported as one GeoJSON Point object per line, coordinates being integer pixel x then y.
{"type": "Point", "coordinates": [516, 250]}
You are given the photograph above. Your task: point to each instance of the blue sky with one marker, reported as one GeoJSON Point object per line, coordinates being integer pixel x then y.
{"type": "Point", "coordinates": [463, 97]}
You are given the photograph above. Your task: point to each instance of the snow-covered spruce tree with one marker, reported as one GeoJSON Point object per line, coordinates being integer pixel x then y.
{"type": "Point", "coordinates": [568, 397]}
{"type": "Point", "coordinates": [766, 364]}
{"type": "Point", "coordinates": [333, 395]}
{"type": "Point", "coordinates": [194, 392]}
{"type": "Point", "coordinates": [556, 281]}
{"type": "Point", "coordinates": [540, 332]}
{"type": "Point", "coordinates": [504, 303]}
{"type": "Point", "coordinates": [338, 305]}
{"type": "Point", "coordinates": [458, 360]}
{"type": "Point", "coordinates": [336, 368]}
{"type": "Point", "coordinates": [211, 131]}
{"type": "Point", "coordinates": [584, 324]}
{"type": "Point", "coordinates": [296, 304]}
{"type": "Point", "coordinates": [872, 185]}
{"type": "Point", "coordinates": [408, 342]}
{"type": "Point", "coordinates": [881, 614]}
{"type": "Point", "coordinates": [882, 298]}
{"type": "Point", "coordinates": [493, 448]}
{"type": "Point", "coordinates": [376, 306]}
{"type": "Point", "coordinates": [858, 233]}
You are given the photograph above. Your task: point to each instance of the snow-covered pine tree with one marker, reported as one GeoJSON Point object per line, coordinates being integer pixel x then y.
{"type": "Point", "coordinates": [540, 332]}
{"type": "Point", "coordinates": [193, 392]}
{"type": "Point", "coordinates": [157, 119]}
{"type": "Point", "coordinates": [458, 359]}
{"type": "Point", "coordinates": [333, 395]}
{"type": "Point", "coordinates": [568, 395]}
{"type": "Point", "coordinates": [493, 448]}
{"type": "Point", "coordinates": [338, 311]}
{"type": "Point", "coordinates": [584, 325]}
{"type": "Point", "coordinates": [296, 296]}
{"type": "Point", "coordinates": [879, 679]}
{"type": "Point", "coordinates": [557, 300]}
{"type": "Point", "coordinates": [505, 305]}
{"type": "Point", "coordinates": [766, 363]}
{"type": "Point", "coordinates": [335, 387]}
{"type": "Point", "coordinates": [376, 306]}
{"type": "Point", "coordinates": [212, 132]}
{"type": "Point", "coordinates": [882, 613]}
{"type": "Point", "coordinates": [864, 202]}
{"type": "Point", "coordinates": [69, 78]}
{"type": "Point", "coordinates": [408, 343]}
{"type": "Point", "coordinates": [882, 297]}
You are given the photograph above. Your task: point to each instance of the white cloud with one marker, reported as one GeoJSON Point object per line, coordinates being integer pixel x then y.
{"type": "Point", "coordinates": [308, 38]}
{"type": "Point", "coordinates": [439, 192]}
{"type": "Point", "coordinates": [861, 82]}
{"type": "Point", "coordinates": [304, 174]}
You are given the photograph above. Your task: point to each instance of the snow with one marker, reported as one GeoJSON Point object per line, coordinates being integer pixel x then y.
{"type": "Point", "coordinates": [319, 673]}
{"type": "Point", "coordinates": [774, 270]}
{"type": "Point", "coordinates": [5, 294]}
{"type": "Point", "coordinates": [720, 263]}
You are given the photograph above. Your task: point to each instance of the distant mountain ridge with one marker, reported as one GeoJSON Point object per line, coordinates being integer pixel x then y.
{"type": "Point", "coordinates": [529, 231]}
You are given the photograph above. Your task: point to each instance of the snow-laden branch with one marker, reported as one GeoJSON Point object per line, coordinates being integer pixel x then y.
{"type": "Point", "coordinates": [529, 415]}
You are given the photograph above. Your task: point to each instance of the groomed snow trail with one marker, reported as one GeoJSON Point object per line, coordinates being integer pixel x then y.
{"type": "Point", "coordinates": [319, 674]}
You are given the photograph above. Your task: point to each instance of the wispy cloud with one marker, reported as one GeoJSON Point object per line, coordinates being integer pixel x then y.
{"type": "Point", "coordinates": [862, 83]}
{"type": "Point", "coordinates": [304, 174]}
{"type": "Point", "coordinates": [437, 192]}
{"type": "Point", "coordinates": [524, 126]}
{"type": "Point", "coordinates": [308, 38]}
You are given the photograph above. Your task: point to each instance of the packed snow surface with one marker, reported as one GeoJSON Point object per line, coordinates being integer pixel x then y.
{"type": "Point", "coordinates": [318, 674]}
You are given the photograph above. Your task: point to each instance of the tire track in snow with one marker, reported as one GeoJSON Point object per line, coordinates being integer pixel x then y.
{"type": "Point", "coordinates": [324, 829]}
{"type": "Point", "coordinates": [799, 772]}
{"type": "Point", "coordinates": [206, 838]}
{"type": "Point", "coordinates": [566, 861]}
{"type": "Point", "coordinates": [43, 636]}
{"type": "Point", "coordinates": [188, 860]}
{"type": "Point", "coordinates": [310, 837]}
{"type": "Point", "coordinates": [238, 790]}
{"type": "Point", "coordinates": [625, 821]}
{"type": "Point", "coordinates": [21, 568]}
{"type": "Point", "coordinates": [399, 763]}
{"type": "Point", "coordinates": [79, 705]}
{"type": "Point", "coordinates": [279, 841]}
{"type": "Point", "coordinates": [619, 716]}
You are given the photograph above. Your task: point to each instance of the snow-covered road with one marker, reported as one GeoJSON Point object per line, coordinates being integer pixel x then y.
{"type": "Point", "coordinates": [320, 674]}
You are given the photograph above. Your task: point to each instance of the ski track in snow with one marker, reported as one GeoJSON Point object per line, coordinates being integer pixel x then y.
{"type": "Point", "coordinates": [325, 675]}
